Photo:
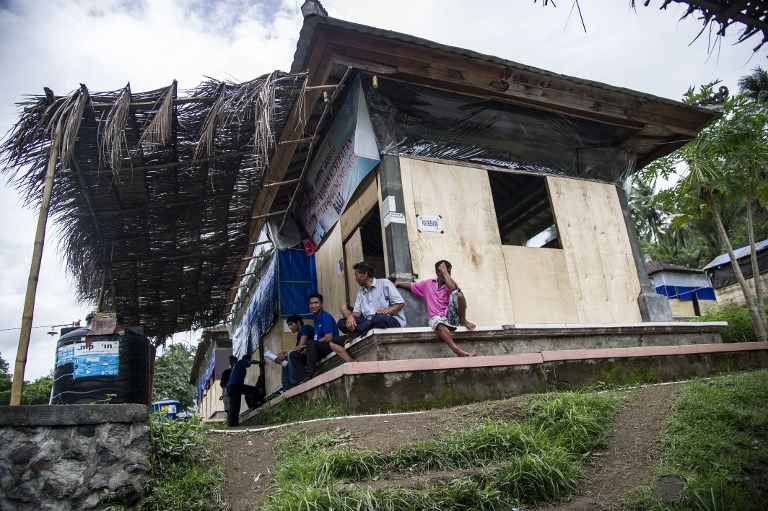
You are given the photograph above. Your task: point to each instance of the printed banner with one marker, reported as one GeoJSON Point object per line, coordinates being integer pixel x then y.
{"type": "Point", "coordinates": [345, 157]}
{"type": "Point", "coordinates": [101, 358]}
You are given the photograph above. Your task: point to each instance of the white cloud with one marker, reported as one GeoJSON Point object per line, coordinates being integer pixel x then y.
{"type": "Point", "coordinates": [106, 44]}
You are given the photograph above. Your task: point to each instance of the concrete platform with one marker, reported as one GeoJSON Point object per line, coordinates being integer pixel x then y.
{"type": "Point", "coordinates": [409, 368]}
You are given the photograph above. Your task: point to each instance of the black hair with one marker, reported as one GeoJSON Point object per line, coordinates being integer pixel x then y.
{"type": "Point", "coordinates": [447, 265]}
{"type": "Point", "coordinates": [232, 359]}
{"type": "Point", "coordinates": [295, 319]}
{"type": "Point", "coordinates": [364, 267]}
{"type": "Point", "coordinates": [246, 357]}
{"type": "Point", "coordinates": [316, 295]}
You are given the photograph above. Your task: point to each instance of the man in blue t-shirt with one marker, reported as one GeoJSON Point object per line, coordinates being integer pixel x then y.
{"type": "Point", "coordinates": [304, 362]}
{"type": "Point", "coordinates": [237, 389]}
{"type": "Point", "coordinates": [304, 334]}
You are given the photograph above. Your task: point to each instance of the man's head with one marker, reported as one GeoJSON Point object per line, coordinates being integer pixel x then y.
{"type": "Point", "coordinates": [247, 359]}
{"type": "Point", "coordinates": [315, 303]}
{"type": "Point", "coordinates": [442, 263]}
{"type": "Point", "coordinates": [363, 272]}
{"type": "Point", "coordinates": [232, 360]}
{"type": "Point", "coordinates": [295, 323]}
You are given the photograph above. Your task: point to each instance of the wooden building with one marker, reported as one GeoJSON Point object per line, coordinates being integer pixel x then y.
{"type": "Point", "coordinates": [510, 172]}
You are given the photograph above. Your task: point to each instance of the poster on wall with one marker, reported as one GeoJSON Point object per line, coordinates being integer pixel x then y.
{"type": "Point", "coordinates": [345, 157]}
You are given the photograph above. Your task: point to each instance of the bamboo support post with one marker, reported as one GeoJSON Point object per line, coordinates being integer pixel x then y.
{"type": "Point", "coordinates": [34, 274]}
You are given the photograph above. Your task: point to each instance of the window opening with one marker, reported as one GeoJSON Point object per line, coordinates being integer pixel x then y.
{"type": "Point", "coordinates": [523, 210]}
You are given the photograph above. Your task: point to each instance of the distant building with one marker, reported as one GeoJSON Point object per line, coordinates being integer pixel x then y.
{"type": "Point", "coordinates": [720, 272]}
{"type": "Point", "coordinates": [211, 359]}
{"type": "Point", "coordinates": [688, 290]}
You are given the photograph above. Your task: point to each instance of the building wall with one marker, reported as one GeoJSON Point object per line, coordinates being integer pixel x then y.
{"type": "Point", "coordinates": [732, 295]}
{"type": "Point", "coordinates": [591, 279]}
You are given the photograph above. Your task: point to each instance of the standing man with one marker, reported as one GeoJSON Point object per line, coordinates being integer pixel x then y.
{"type": "Point", "coordinates": [378, 305]}
{"type": "Point", "coordinates": [304, 362]}
{"type": "Point", "coordinates": [225, 381]}
{"type": "Point", "coordinates": [446, 304]}
{"type": "Point", "coordinates": [237, 389]}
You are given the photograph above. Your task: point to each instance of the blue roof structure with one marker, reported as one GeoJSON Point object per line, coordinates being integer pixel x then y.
{"type": "Point", "coordinates": [740, 252]}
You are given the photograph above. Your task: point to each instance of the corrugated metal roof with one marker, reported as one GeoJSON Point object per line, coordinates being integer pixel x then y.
{"type": "Point", "coordinates": [739, 252]}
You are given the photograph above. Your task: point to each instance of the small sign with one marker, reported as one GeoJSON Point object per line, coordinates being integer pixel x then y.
{"type": "Point", "coordinates": [429, 223]}
{"type": "Point", "coordinates": [100, 358]}
{"type": "Point", "coordinates": [394, 218]}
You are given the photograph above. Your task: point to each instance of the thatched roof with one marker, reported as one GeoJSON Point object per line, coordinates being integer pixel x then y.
{"type": "Point", "coordinates": [154, 192]}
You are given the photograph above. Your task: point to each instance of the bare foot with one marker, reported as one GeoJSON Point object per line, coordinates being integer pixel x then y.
{"type": "Point", "coordinates": [462, 353]}
{"type": "Point", "coordinates": [468, 325]}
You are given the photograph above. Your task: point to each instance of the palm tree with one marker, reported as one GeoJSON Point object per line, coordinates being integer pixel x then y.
{"type": "Point", "coordinates": [755, 85]}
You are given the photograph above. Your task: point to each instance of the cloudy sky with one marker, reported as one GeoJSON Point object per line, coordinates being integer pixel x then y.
{"type": "Point", "coordinates": [108, 43]}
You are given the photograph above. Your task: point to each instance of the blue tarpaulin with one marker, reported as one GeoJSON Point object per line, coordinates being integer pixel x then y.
{"type": "Point", "coordinates": [287, 282]}
{"type": "Point", "coordinates": [685, 292]}
{"type": "Point", "coordinates": [297, 279]}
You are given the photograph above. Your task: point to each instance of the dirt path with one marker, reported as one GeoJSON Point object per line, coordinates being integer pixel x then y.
{"type": "Point", "coordinates": [248, 458]}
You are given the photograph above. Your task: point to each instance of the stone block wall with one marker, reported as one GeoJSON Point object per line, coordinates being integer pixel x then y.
{"type": "Point", "coordinates": [73, 457]}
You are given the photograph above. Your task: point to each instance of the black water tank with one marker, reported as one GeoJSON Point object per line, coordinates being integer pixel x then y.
{"type": "Point", "coordinates": [112, 368]}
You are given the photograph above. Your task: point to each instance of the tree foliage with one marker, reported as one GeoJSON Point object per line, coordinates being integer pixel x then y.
{"type": "Point", "coordinates": [37, 392]}
{"type": "Point", "coordinates": [721, 174]}
{"type": "Point", "coordinates": [172, 370]}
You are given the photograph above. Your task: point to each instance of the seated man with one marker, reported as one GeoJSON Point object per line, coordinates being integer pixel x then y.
{"type": "Point", "coordinates": [304, 333]}
{"type": "Point", "coordinates": [446, 304]}
{"type": "Point", "coordinates": [304, 362]}
{"type": "Point", "coordinates": [378, 305]}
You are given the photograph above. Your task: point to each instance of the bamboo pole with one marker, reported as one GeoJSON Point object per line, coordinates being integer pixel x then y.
{"type": "Point", "coordinates": [34, 273]}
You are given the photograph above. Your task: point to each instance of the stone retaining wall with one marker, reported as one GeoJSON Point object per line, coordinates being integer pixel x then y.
{"type": "Point", "coordinates": [73, 457]}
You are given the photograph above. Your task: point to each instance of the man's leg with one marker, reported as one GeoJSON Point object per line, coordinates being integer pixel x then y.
{"type": "Point", "coordinates": [233, 417]}
{"type": "Point", "coordinates": [446, 336]}
{"type": "Point", "coordinates": [285, 377]}
{"type": "Point", "coordinates": [382, 321]}
{"type": "Point", "coordinates": [297, 360]}
{"type": "Point", "coordinates": [315, 351]}
{"type": "Point", "coordinates": [462, 311]}
{"type": "Point", "coordinates": [337, 345]}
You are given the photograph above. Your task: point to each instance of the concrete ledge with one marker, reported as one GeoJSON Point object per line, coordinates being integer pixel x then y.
{"type": "Point", "coordinates": [72, 415]}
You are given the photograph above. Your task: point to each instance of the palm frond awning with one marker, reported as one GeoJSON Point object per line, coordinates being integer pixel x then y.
{"type": "Point", "coordinates": [154, 193]}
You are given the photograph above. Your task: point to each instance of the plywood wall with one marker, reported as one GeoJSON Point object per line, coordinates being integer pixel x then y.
{"type": "Point", "coordinates": [330, 281]}
{"type": "Point", "coordinates": [597, 252]}
{"type": "Point", "coordinates": [539, 285]}
{"type": "Point", "coordinates": [470, 241]}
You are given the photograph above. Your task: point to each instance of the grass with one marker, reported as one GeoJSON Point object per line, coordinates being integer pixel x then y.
{"type": "Point", "coordinates": [187, 476]}
{"type": "Point", "coordinates": [294, 411]}
{"type": "Point", "coordinates": [535, 461]}
{"type": "Point", "coordinates": [716, 442]}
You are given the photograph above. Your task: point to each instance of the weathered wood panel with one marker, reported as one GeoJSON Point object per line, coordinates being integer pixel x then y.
{"type": "Point", "coordinates": [470, 241]}
{"type": "Point", "coordinates": [353, 253]}
{"type": "Point", "coordinates": [360, 204]}
{"type": "Point", "coordinates": [596, 248]}
{"type": "Point", "coordinates": [539, 285]}
{"type": "Point", "coordinates": [330, 281]}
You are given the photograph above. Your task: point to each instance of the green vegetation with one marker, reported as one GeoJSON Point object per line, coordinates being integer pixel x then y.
{"type": "Point", "coordinates": [293, 411]}
{"type": "Point", "coordinates": [171, 380]}
{"type": "Point", "coordinates": [36, 392]}
{"type": "Point", "coordinates": [715, 441]}
{"type": "Point", "coordinates": [535, 461]}
{"type": "Point", "coordinates": [739, 327]}
{"type": "Point", "coordinates": [187, 475]}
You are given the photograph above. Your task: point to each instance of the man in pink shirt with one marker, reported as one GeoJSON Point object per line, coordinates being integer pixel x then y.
{"type": "Point", "coordinates": [446, 304]}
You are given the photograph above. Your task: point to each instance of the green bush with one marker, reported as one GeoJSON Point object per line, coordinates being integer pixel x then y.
{"type": "Point", "coordinates": [187, 476]}
{"type": "Point", "coordinates": [739, 327]}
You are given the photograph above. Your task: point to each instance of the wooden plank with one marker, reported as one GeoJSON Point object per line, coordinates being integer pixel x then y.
{"type": "Point", "coordinates": [330, 281]}
{"type": "Point", "coordinates": [597, 250]}
{"type": "Point", "coordinates": [353, 253]}
{"type": "Point", "coordinates": [360, 204]}
{"type": "Point", "coordinates": [470, 241]}
{"type": "Point", "coordinates": [539, 285]}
